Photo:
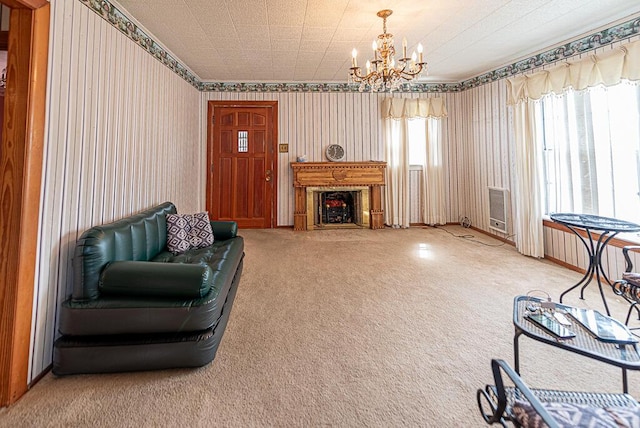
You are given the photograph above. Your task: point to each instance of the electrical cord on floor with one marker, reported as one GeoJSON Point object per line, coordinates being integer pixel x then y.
{"type": "Point", "coordinates": [470, 237]}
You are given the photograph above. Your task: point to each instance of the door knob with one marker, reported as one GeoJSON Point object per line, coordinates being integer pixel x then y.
{"type": "Point", "coordinates": [267, 175]}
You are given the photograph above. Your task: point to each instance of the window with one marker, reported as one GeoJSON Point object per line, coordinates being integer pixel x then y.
{"type": "Point", "coordinates": [417, 140]}
{"type": "Point", "coordinates": [591, 143]}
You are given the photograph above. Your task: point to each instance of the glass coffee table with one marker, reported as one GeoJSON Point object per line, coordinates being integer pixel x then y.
{"type": "Point", "coordinates": [616, 346]}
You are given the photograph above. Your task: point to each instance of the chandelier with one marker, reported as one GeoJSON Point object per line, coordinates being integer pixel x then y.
{"type": "Point", "coordinates": [383, 73]}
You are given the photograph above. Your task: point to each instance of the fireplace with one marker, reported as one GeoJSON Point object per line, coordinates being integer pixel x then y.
{"type": "Point", "coordinates": [356, 185]}
{"type": "Point", "coordinates": [337, 207]}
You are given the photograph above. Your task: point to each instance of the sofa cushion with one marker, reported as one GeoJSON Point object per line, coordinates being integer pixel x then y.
{"type": "Point", "coordinates": [149, 279]}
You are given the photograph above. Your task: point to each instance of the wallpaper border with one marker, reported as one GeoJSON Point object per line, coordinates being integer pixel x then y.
{"type": "Point", "coordinates": [119, 20]}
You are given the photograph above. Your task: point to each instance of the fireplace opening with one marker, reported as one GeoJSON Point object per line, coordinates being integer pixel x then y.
{"type": "Point", "coordinates": [337, 207]}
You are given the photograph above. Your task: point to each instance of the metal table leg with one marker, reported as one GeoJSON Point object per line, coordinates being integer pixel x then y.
{"type": "Point", "coordinates": [516, 351]}
{"type": "Point", "coordinates": [595, 268]}
{"type": "Point", "coordinates": [591, 251]}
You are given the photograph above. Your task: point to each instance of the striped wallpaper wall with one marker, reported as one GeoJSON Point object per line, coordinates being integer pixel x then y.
{"type": "Point", "coordinates": [122, 135]}
{"type": "Point", "coordinates": [480, 133]}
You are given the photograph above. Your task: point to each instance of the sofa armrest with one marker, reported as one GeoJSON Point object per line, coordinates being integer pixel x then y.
{"type": "Point", "coordinates": [223, 230]}
{"type": "Point", "coordinates": [153, 279]}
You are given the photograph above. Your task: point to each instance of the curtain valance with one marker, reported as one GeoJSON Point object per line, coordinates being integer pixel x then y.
{"type": "Point", "coordinates": [608, 68]}
{"type": "Point", "coordinates": [398, 108]}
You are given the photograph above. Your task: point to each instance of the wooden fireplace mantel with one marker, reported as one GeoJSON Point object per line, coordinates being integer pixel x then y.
{"type": "Point", "coordinates": [337, 174]}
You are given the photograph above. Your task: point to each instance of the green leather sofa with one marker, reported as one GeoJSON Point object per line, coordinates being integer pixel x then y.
{"type": "Point", "coordinates": [136, 306]}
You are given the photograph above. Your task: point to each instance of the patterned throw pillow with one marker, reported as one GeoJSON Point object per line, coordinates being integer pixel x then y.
{"type": "Point", "coordinates": [178, 229]}
{"type": "Point", "coordinates": [201, 234]}
{"type": "Point", "coordinates": [188, 231]}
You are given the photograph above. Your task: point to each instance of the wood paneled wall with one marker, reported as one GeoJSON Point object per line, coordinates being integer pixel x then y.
{"type": "Point", "coordinates": [123, 133]}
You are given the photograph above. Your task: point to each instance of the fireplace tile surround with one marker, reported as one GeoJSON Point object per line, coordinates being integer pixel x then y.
{"type": "Point", "coordinates": [311, 178]}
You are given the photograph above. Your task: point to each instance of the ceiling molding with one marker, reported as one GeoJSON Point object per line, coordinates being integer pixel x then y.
{"type": "Point", "coordinates": [119, 20]}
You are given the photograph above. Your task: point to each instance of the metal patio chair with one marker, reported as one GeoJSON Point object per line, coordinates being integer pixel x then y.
{"type": "Point", "coordinates": [521, 406]}
{"type": "Point", "coordinates": [629, 286]}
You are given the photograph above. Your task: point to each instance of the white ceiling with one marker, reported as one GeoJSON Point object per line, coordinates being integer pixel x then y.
{"type": "Point", "coordinates": [311, 40]}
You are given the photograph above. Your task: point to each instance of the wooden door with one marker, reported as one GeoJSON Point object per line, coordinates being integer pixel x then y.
{"type": "Point", "coordinates": [241, 180]}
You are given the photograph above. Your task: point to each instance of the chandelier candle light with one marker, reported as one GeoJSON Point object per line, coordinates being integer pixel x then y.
{"type": "Point", "coordinates": [382, 72]}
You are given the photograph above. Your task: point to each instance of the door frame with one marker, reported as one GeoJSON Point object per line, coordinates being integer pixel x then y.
{"type": "Point", "coordinates": [21, 165]}
{"type": "Point", "coordinates": [211, 105]}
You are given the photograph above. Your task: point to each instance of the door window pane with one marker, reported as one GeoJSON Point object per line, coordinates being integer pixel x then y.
{"type": "Point", "coordinates": [243, 141]}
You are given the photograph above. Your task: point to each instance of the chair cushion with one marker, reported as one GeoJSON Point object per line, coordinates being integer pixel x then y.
{"type": "Point", "coordinates": [572, 415]}
{"type": "Point", "coordinates": [632, 278]}
{"type": "Point", "coordinates": [627, 289]}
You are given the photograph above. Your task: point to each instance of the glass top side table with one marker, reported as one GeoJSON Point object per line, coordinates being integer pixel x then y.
{"type": "Point", "coordinates": [608, 228]}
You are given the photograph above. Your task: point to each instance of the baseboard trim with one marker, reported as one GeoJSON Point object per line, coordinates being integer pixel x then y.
{"type": "Point", "coordinates": [564, 264]}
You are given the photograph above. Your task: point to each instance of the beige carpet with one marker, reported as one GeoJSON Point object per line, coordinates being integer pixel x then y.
{"type": "Point", "coordinates": [344, 328]}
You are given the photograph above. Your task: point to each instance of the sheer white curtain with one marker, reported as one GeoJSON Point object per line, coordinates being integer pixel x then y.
{"type": "Point", "coordinates": [433, 182]}
{"type": "Point", "coordinates": [396, 202]}
{"type": "Point", "coordinates": [528, 190]}
{"type": "Point", "coordinates": [396, 113]}
{"type": "Point", "coordinates": [607, 69]}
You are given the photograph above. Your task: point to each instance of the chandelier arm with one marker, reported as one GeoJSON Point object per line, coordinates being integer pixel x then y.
{"type": "Point", "coordinates": [413, 74]}
{"type": "Point", "coordinates": [356, 72]}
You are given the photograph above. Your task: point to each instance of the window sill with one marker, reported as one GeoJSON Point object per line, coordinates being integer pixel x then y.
{"type": "Point", "coordinates": [621, 239]}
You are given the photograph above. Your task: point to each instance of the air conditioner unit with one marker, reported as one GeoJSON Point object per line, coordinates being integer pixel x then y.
{"type": "Point", "coordinates": [498, 202]}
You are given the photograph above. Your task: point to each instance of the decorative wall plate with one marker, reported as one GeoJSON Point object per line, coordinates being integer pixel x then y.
{"type": "Point", "coordinates": [335, 152]}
